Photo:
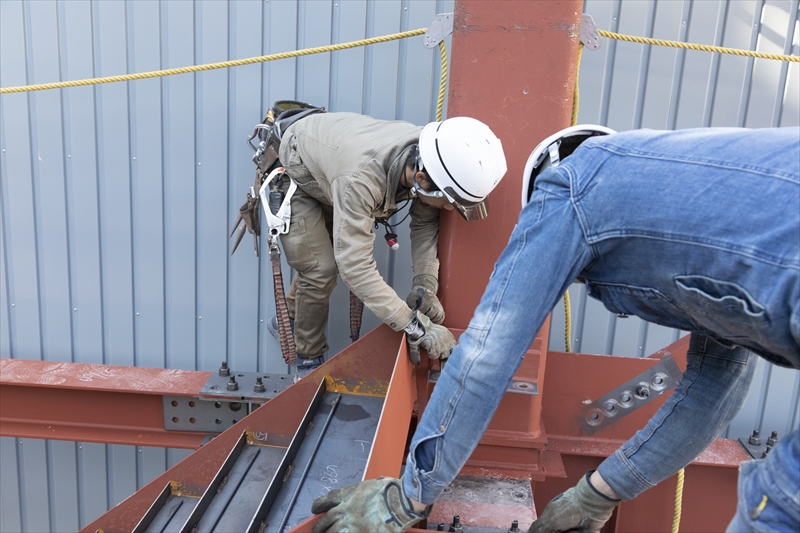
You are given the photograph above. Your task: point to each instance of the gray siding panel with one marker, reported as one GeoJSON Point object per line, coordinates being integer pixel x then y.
{"type": "Point", "coordinates": [117, 200]}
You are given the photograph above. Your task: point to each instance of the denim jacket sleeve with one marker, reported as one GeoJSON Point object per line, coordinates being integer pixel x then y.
{"type": "Point", "coordinates": [546, 252]}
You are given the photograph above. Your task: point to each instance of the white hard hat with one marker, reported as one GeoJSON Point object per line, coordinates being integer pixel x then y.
{"type": "Point", "coordinates": [465, 160]}
{"type": "Point", "coordinates": [552, 150]}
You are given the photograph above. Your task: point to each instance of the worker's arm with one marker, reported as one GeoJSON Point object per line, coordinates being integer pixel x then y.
{"type": "Point", "coordinates": [355, 200]}
{"type": "Point", "coordinates": [546, 252]}
{"type": "Point", "coordinates": [424, 228]}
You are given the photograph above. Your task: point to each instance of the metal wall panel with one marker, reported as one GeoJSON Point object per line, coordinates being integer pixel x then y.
{"type": "Point", "coordinates": [117, 199]}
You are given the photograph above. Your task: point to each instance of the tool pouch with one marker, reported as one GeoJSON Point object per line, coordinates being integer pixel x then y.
{"type": "Point", "coordinates": [281, 115]}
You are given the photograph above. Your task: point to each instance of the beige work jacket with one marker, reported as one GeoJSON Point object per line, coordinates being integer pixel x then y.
{"type": "Point", "coordinates": [353, 163]}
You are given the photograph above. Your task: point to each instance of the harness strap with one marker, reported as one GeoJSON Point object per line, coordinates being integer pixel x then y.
{"type": "Point", "coordinates": [356, 314]}
{"type": "Point", "coordinates": [282, 310]}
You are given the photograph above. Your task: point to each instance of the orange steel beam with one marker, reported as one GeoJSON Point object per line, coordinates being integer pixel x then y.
{"type": "Point", "coordinates": [709, 499]}
{"type": "Point", "coordinates": [93, 403]}
{"type": "Point", "coordinates": [366, 366]}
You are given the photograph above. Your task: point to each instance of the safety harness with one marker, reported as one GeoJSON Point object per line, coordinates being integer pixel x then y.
{"type": "Point", "coordinates": [270, 190]}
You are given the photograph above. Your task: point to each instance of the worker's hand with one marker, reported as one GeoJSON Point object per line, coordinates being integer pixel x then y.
{"type": "Point", "coordinates": [423, 297]}
{"type": "Point", "coordinates": [436, 339]}
{"type": "Point", "coordinates": [374, 505]}
{"type": "Point", "coordinates": [581, 509]}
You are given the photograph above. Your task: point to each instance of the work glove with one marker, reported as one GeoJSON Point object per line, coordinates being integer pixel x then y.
{"type": "Point", "coordinates": [373, 506]}
{"type": "Point", "coordinates": [582, 509]}
{"type": "Point", "coordinates": [423, 298]}
{"type": "Point", "coordinates": [436, 339]}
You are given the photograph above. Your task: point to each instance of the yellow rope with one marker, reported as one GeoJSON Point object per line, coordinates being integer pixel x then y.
{"type": "Point", "coordinates": [676, 520]}
{"type": "Point", "coordinates": [213, 66]}
{"type": "Point", "coordinates": [703, 47]}
{"type": "Point", "coordinates": [442, 82]}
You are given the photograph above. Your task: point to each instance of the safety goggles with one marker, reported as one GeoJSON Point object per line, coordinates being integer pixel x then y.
{"type": "Point", "coordinates": [469, 210]}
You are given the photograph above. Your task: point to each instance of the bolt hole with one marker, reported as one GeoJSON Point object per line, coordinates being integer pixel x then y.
{"type": "Point", "coordinates": [275, 391]}
{"type": "Point", "coordinates": [522, 385]}
{"type": "Point", "coordinates": [191, 404]}
{"type": "Point", "coordinates": [192, 420]}
{"type": "Point", "coordinates": [175, 419]}
{"type": "Point", "coordinates": [595, 416]}
{"type": "Point", "coordinates": [240, 375]}
{"type": "Point", "coordinates": [218, 421]}
{"type": "Point", "coordinates": [174, 403]}
{"type": "Point", "coordinates": [519, 495]}
{"type": "Point", "coordinates": [234, 420]}
{"type": "Point", "coordinates": [217, 404]}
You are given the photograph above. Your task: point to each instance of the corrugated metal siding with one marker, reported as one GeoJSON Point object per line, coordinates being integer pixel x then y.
{"type": "Point", "coordinates": [117, 199]}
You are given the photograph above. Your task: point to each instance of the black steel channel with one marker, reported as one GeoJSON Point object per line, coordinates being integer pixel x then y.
{"type": "Point", "coordinates": [211, 491]}
{"type": "Point", "coordinates": [233, 492]}
{"type": "Point", "coordinates": [170, 514]}
{"type": "Point", "coordinates": [278, 479]}
{"type": "Point", "coordinates": [153, 511]}
{"type": "Point", "coordinates": [299, 486]}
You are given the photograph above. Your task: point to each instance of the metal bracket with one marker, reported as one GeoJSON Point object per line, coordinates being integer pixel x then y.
{"type": "Point", "coordinates": [226, 398]}
{"type": "Point", "coordinates": [590, 37]}
{"type": "Point", "coordinates": [186, 413]}
{"type": "Point", "coordinates": [249, 386]}
{"type": "Point", "coordinates": [629, 396]}
{"type": "Point", "coordinates": [441, 27]}
{"type": "Point", "coordinates": [517, 386]}
{"type": "Point", "coordinates": [756, 447]}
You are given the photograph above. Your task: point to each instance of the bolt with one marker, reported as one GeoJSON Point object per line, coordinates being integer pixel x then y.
{"type": "Point", "coordinates": [259, 386]}
{"type": "Point", "coordinates": [232, 385]}
{"type": "Point", "coordinates": [440, 526]}
{"type": "Point", "coordinates": [643, 391]}
{"type": "Point", "coordinates": [626, 397]}
{"type": "Point", "coordinates": [223, 370]}
{"type": "Point", "coordinates": [514, 527]}
{"type": "Point", "coordinates": [755, 439]}
{"type": "Point", "coordinates": [773, 439]}
{"type": "Point", "coordinates": [455, 527]}
{"type": "Point", "coordinates": [766, 451]}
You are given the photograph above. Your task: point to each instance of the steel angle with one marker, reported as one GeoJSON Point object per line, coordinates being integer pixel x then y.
{"type": "Point", "coordinates": [629, 396]}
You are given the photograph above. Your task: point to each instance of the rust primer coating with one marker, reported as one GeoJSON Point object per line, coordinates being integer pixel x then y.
{"type": "Point", "coordinates": [93, 403]}
{"type": "Point", "coordinates": [370, 359]}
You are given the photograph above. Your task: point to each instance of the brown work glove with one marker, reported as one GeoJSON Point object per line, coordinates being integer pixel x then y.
{"type": "Point", "coordinates": [437, 340]}
{"type": "Point", "coordinates": [423, 297]}
{"type": "Point", "coordinates": [581, 509]}
{"type": "Point", "coordinates": [374, 505]}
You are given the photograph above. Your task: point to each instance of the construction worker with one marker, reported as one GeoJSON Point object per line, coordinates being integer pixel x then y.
{"type": "Point", "coordinates": [695, 229]}
{"type": "Point", "coordinates": [352, 170]}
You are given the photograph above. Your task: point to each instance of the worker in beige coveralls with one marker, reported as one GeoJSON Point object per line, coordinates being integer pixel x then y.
{"type": "Point", "coordinates": [352, 169]}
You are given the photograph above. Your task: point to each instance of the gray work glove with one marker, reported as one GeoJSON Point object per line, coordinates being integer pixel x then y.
{"type": "Point", "coordinates": [436, 339]}
{"type": "Point", "coordinates": [423, 297]}
{"type": "Point", "coordinates": [581, 509]}
{"type": "Point", "coordinates": [374, 505]}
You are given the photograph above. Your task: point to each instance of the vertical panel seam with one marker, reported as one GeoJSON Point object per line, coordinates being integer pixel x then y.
{"type": "Point", "coordinates": [744, 101]}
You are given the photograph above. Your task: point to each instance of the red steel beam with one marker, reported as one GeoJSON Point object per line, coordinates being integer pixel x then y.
{"type": "Point", "coordinates": [93, 403]}
{"type": "Point", "coordinates": [367, 365]}
{"type": "Point", "coordinates": [709, 497]}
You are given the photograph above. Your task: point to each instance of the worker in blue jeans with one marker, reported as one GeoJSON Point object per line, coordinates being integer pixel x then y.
{"type": "Point", "coordinates": [695, 229]}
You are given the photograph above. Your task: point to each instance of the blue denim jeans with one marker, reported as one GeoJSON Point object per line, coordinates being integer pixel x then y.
{"type": "Point", "coordinates": [769, 490]}
{"type": "Point", "coordinates": [694, 229]}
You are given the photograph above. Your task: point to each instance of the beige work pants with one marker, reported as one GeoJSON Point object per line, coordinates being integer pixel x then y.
{"type": "Point", "coordinates": [309, 250]}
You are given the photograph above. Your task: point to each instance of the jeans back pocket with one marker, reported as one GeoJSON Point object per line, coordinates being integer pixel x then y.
{"type": "Point", "coordinates": [723, 307]}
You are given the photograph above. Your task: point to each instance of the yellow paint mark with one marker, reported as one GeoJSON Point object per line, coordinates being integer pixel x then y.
{"type": "Point", "coordinates": [361, 387]}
